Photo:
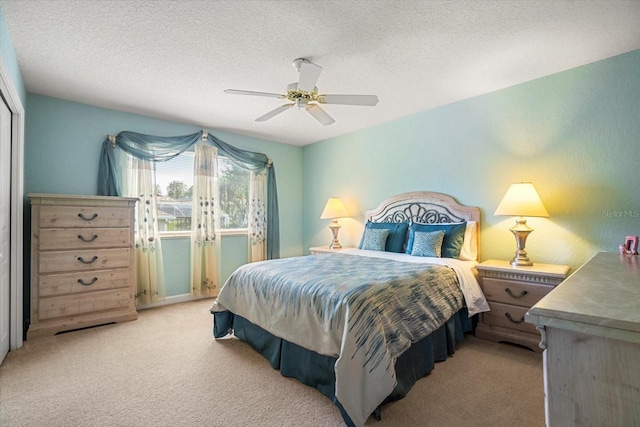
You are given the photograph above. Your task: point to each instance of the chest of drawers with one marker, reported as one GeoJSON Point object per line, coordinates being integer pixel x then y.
{"type": "Point", "coordinates": [82, 262]}
{"type": "Point", "coordinates": [511, 292]}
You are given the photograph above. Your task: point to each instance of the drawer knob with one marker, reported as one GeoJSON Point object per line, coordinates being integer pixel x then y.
{"type": "Point", "coordinates": [82, 282]}
{"type": "Point", "coordinates": [523, 293]}
{"type": "Point", "coordinates": [81, 216]}
{"type": "Point", "coordinates": [84, 239]}
{"type": "Point", "coordinates": [508, 315]}
{"type": "Point", "coordinates": [82, 260]}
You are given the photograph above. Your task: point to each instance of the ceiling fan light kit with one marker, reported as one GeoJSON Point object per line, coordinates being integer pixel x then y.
{"type": "Point", "coordinates": [304, 95]}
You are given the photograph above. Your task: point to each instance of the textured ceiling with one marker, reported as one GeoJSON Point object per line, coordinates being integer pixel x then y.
{"type": "Point", "coordinates": [173, 59]}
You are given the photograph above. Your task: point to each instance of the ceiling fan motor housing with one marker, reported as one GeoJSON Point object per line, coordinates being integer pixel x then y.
{"type": "Point", "coordinates": [300, 96]}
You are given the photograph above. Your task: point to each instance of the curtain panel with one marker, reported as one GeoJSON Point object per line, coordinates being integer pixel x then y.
{"type": "Point", "coordinates": [205, 244]}
{"type": "Point", "coordinates": [137, 181]}
{"type": "Point", "coordinates": [159, 148]}
{"type": "Point", "coordinates": [257, 216]}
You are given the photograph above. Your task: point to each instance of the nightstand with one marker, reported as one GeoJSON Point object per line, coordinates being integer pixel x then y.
{"type": "Point", "coordinates": [511, 292]}
{"type": "Point", "coordinates": [326, 249]}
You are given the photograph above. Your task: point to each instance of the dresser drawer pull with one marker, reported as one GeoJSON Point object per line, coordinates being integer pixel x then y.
{"type": "Point", "coordinates": [84, 239]}
{"type": "Point", "coordinates": [508, 315]}
{"type": "Point", "coordinates": [82, 260]}
{"type": "Point", "coordinates": [523, 293]}
{"type": "Point", "coordinates": [95, 279]}
{"type": "Point", "coordinates": [94, 216]}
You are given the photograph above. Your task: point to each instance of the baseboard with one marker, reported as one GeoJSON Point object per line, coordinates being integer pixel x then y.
{"type": "Point", "coordinates": [175, 299]}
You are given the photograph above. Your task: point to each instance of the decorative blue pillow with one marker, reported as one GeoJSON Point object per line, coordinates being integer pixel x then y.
{"type": "Point", "coordinates": [427, 243]}
{"type": "Point", "coordinates": [397, 234]}
{"type": "Point", "coordinates": [453, 237]}
{"type": "Point", "coordinates": [374, 239]}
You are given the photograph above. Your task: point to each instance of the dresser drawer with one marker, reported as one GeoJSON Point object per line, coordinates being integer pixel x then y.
{"type": "Point", "coordinates": [96, 259]}
{"type": "Point", "coordinates": [508, 316]}
{"type": "Point", "coordinates": [78, 304]}
{"type": "Point", "coordinates": [84, 216]}
{"type": "Point", "coordinates": [512, 292]}
{"type": "Point", "coordinates": [83, 238]}
{"type": "Point", "coordinates": [69, 283]}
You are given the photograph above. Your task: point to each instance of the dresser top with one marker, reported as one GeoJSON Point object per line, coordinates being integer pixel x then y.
{"type": "Point", "coordinates": [602, 297]}
{"type": "Point", "coordinates": [64, 199]}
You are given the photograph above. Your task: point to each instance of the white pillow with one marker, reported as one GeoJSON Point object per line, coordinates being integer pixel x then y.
{"type": "Point", "coordinates": [469, 251]}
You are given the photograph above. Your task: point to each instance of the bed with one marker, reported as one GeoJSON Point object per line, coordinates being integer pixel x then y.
{"type": "Point", "coordinates": [363, 325]}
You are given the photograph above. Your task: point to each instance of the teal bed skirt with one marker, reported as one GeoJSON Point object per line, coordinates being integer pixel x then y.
{"type": "Point", "coordinates": [316, 370]}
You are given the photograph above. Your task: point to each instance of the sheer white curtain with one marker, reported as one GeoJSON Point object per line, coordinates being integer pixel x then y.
{"type": "Point", "coordinates": [138, 181]}
{"type": "Point", "coordinates": [205, 244]}
{"type": "Point", "coordinates": [258, 216]}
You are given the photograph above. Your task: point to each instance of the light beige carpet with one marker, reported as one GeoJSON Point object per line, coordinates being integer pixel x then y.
{"type": "Point", "coordinates": [165, 369]}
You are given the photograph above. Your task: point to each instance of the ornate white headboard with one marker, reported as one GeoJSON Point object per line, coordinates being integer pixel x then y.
{"type": "Point", "coordinates": [424, 207]}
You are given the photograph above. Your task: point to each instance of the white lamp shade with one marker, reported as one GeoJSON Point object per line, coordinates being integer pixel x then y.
{"type": "Point", "coordinates": [521, 200]}
{"type": "Point", "coordinates": [334, 209]}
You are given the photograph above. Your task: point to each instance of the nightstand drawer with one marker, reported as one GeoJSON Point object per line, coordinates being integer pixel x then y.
{"type": "Point", "coordinates": [508, 316]}
{"type": "Point", "coordinates": [515, 293]}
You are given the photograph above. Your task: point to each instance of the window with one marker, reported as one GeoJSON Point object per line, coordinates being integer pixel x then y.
{"type": "Point", "coordinates": [174, 190]}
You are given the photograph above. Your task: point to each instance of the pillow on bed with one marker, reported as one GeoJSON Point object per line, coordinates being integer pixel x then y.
{"type": "Point", "coordinates": [397, 234]}
{"type": "Point", "coordinates": [469, 251]}
{"type": "Point", "coordinates": [453, 237]}
{"type": "Point", "coordinates": [374, 239]}
{"type": "Point", "coordinates": [427, 243]}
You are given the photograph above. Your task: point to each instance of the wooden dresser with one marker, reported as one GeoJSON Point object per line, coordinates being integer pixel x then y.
{"type": "Point", "coordinates": [590, 328]}
{"type": "Point", "coordinates": [82, 262]}
{"type": "Point", "coordinates": [511, 291]}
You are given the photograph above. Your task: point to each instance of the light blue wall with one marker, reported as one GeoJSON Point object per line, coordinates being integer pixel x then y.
{"type": "Point", "coordinates": [8, 55]}
{"type": "Point", "coordinates": [575, 135]}
{"type": "Point", "coordinates": [62, 149]}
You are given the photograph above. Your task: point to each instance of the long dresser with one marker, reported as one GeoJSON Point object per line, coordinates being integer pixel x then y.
{"type": "Point", "coordinates": [82, 262]}
{"type": "Point", "coordinates": [590, 328]}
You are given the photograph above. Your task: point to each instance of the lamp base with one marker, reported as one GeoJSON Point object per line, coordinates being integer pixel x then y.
{"type": "Point", "coordinates": [521, 231]}
{"type": "Point", "coordinates": [521, 259]}
{"type": "Point", "coordinates": [335, 227]}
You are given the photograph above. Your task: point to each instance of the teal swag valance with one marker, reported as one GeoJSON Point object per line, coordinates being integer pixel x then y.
{"type": "Point", "coordinates": [163, 148]}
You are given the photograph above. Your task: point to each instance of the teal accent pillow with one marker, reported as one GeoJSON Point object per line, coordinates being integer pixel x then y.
{"type": "Point", "coordinates": [427, 243]}
{"type": "Point", "coordinates": [374, 239]}
{"type": "Point", "coordinates": [397, 234]}
{"type": "Point", "coordinates": [453, 237]}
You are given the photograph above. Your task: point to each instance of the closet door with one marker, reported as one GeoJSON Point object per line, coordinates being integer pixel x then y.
{"type": "Point", "coordinates": [5, 229]}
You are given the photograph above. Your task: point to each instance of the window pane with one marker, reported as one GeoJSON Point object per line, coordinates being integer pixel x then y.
{"type": "Point", "coordinates": [174, 188]}
{"type": "Point", "coordinates": [234, 194]}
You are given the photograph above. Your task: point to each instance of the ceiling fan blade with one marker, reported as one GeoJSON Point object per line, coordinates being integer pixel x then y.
{"type": "Point", "coordinates": [366, 100]}
{"type": "Point", "coordinates": [250, 92]}
{"type": "Point", "coordinates": [275, 112]}
{"type": "Point", "coordinates": [309, 74]}
{"type": "Point", "coordinates": [320, 115]}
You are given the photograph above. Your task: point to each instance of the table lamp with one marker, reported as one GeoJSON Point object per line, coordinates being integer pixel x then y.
{"type": "Point", "coordinates": [521, 200]}
{"type": "Point", "coordinates": [333, 210]}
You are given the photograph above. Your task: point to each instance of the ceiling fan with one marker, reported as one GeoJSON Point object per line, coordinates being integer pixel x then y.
{"type": "Point", "coordinates": [304, 95]}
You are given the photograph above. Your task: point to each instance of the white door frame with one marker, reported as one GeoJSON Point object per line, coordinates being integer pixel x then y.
{"type": "Point", "coordinates": [10, 95]}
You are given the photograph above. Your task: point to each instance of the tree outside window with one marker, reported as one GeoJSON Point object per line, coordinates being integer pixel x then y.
{"type": "Point", "coordinates": [174, 190]}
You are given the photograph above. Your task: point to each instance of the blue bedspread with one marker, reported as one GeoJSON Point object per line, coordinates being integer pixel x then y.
{"type": "Point", "coordinates": [364, 311]}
